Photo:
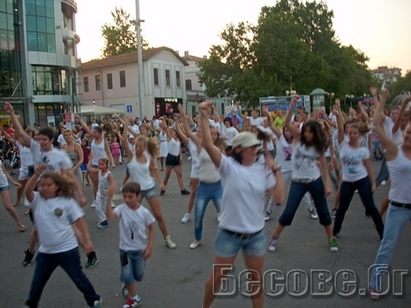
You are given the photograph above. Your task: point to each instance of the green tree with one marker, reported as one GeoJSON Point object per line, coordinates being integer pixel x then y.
{"type": "Point", "coordinates": [121, 37]}
{"type": "Point", "coordinates": [292, 46]}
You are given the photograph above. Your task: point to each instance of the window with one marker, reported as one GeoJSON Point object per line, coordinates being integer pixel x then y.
{"type": "Point", "coordinates": [51, 80]}
{"type": "Point", "coordinates": [98, 82]}
{"type": "Point", "coordinates": [188, 84]}
{"type": "Point", "coordinates": [109, 81]}
{"type": "Point", "coordinates": [168, 82]}
{"type": "Point", "coordinates": [155, 73]}
{"type": "Point", "coordinates": [178, 79]}
{"type": "Point", "coordinates": [40, 26]}
{"type": "Point", "coordinates": [85, 82]}
{"type": "Point", "coordinates": [122, 79]}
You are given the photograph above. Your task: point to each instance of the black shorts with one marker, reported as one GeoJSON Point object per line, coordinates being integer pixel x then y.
{"type": "Point", "coordinates": [172, 161]}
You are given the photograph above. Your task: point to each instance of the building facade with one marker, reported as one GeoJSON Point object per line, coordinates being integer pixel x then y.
{"type": "Point", "coordinates": [39, 64]}
{"type": "Point", "coordinates": [386, 74]}
{"type": "Point", "coordinates": [113, 82]}
{"type": "Point", "coordinates": [196, 90]}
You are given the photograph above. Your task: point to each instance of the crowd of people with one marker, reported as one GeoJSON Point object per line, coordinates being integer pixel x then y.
{"type": "Point", "coordinates": [254, 159]}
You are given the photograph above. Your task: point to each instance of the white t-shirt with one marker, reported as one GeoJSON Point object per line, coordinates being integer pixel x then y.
{"type": "Point", "coordinates": [304, 162]}
{"type": "Point", "coordinates": [135, 129]}
{"type": "Point", "coordinates": [208, 172]}
{"type": "Point", "coordinates": [94, 125]}
{"type": "Point", "coordinates": [397, 137]}
{"type": "Point", "coordinates": [53, 219]}
{"type": "Point", "coordinates": [26, 156]}
{"type": "Point", "coordinates": [61, 140]}
{"type": "Point", "coordinates": [133, 226]}
{"type": "Point", "coordinates": [388, 124]}
{"type": "Point", "coordinates": [3, 178]}
{"type": "Point", "coordinates": [230, 133]}
{"type": "Point", "coordinates": [55, 159]}
{"type": "Point", "coordinates": [352, 162]}
{"type": "Point", "coordinates": [256, 121]}
{"type": "Point", "coordinates": [244, 188]}
{"type": "Point", "coordinates": [284, 153]}
{"type": "Point", "coordinates": [400, 170]}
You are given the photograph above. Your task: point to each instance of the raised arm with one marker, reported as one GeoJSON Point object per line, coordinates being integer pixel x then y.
{"type": "Point", "coordinates": [19, 133]}
{"type": "Point", "coordinates": [7, 136]}
{"type": "Point", "coordinates": [180, 134]}
{"type": "Point", "coordinates": [31, 184]}
{"type": "Point", "coordinates": [270, 122]}
{"type": "Point", "coordinates": [290, 126]}
{"type": "Point", "coordinates": [83, 124]}
{"type": "Point", "coordinates": [398, 121]}
{"type": "Point", "coordinates": [340, 121]}
{"type": "Point", "coordinates": [379, 116]}
{"type": "Point", "coordinates": [214, 152]}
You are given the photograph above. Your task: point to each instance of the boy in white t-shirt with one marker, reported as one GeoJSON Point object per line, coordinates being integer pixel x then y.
{"type": "Point", "coordinates": [136, 238]}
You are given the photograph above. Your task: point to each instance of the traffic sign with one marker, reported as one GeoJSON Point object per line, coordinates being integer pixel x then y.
{"type": "Point", "coordinates": [129, 108]}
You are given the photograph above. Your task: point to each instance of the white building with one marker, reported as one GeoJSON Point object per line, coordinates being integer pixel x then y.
{"type": "Point", "coordinates": [386, 74]}
{"type": "Point", "coordinates": [113, 82]}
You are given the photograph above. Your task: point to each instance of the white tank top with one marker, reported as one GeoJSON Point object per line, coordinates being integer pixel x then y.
{"type": "Point", "coordinates": [173, 147]}
{"type": "Point", "coordinates": [400, 170]}
{"type": "Point", "coordinates": [140, 172]}
{"type": "Point", "coordinates": [99, 151]}
{"type": "Point", "coordinates": [303, 162]}
{"type": "Point", "coordinates": [3, 178]}
{"type": "Point", "coordinates": [103, 183]}
{"type": "Point", "coordinates": [208, 172]}
{"type": "Point", "coordinates": [162, 136]}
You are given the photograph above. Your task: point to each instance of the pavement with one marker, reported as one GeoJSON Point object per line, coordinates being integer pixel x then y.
{"type": "Point", "coordinates": [301, 273]}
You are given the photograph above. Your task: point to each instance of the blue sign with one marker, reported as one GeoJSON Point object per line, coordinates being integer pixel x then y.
{"type": "Point", "coordinates": [129, 108]}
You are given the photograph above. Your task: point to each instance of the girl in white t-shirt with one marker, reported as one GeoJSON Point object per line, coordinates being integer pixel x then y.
{"type": "Point", "coordinates": [241, 225]}
{"type": "Point", "coordinates": [356, 174]}
{"type": "Point", "coordinates": [105, 183]}
{"type": "Point", "coordinates": [309, 145]}
{"type": "Point", "coordinates": [56, 213]}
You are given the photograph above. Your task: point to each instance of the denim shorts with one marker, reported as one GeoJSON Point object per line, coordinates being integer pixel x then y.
{"type": "Point", "coordinates": [5, 188]}
{"type": "Point", "coordinates": [83, 167]}
{"type": "Point", "coordinates": [228, 244]}
{"type": "Point", "coordinates": [134, 269]}
{"type": "Point", "coordinates": [149, 193]}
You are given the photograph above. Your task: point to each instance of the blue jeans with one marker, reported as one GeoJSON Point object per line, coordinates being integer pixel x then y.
{"type": "Point", "coordinates": [383, 175]}
{"type": "Point", "coordinates": [70, 262]}
{"type": "Point", "coordinates": [228, 245]}
{"type": "Point", "coordinates": [134, 269]}
{"type": "Point", "coordinates": [346, 193]}
{"type": "Point", "coordinates": [296, 194]}
{"type": "Point", "coordinates": [395, 222]}
{"type": "Point", "coordinates": [376, 145]}
{"type": "Point", "coordinates": [205, 193]}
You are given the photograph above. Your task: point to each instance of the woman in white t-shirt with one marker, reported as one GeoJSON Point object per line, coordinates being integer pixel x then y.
{"type": "Point", "coordinates": [357, 174]}
{"type": "Point", "coordinates": [242, 208]}
{"type": "Point", "coordinates": [309, 145]}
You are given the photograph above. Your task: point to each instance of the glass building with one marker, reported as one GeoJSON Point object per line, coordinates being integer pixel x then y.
{"type": "Point", "coordinates": [38, 56]}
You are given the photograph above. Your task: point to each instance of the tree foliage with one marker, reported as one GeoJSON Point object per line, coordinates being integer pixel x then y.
{"type": "Point", "coordinates": [120, 37]}
{"type": "Point", "coordinates": [293, 46]}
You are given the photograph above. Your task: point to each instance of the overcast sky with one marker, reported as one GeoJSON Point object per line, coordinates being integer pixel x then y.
{"type": "Point", "coordinates": [379, 28]}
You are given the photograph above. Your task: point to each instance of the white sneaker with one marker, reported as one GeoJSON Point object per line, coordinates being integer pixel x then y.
{"type": "Point", "coordinates": [313, 214]}
{"type": "Point", "coordinates": [170, 243]}
{"type": "Point", "coordinates": [195, 244]}
{"type": "Point", "coordinates": [185, 218]}
{"type": "Point", "coordinates": [93, 204]}
{"type": "Point", "coordinates": [272, 246]}
{"type": "Point", "coordinates": [383, 183]}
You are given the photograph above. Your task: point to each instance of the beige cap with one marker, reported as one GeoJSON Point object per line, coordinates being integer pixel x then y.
{"type": "Point", "coordinates": [245, 140]}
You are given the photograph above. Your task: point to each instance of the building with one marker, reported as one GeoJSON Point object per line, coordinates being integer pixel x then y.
{"type": "Point", "coordinates": [195, 89]}
{"type": "Point", "coordinates": [387, 75]}
{"type": "Point", "coordinates": [39, 65]}
{"type": "Point", "coordinates": [113, 82]}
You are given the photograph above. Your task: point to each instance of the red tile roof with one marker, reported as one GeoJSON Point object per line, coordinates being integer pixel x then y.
{"type": "Point", "coordinates": [128, 58]}
{"type": "Point", "coordinates": [193, 58]}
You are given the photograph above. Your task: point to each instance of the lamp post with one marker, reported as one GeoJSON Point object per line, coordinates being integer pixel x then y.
{"type": "Point", "coordinates": [290, 92]}
{"type": "Point", "coordinates": [349, 97]}
{"type": "Point", "coordinates": [140, 61]}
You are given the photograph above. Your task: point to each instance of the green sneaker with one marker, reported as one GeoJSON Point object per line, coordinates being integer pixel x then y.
{"type": "Point", "coordinates": [333, 245]}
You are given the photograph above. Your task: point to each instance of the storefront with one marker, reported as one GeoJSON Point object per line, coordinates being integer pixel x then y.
{"type": "Point", "coordinates": [167, 105]}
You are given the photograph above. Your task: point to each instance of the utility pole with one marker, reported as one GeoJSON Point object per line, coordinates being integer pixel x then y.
{"type": "Point", "coordinates": [140, 62]}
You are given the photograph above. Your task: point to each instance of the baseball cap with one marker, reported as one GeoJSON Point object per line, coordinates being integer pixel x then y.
{"type": "Point", "coordinates": [245, 140]}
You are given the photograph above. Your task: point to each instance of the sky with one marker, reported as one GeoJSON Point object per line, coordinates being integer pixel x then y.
{"type": "Point", "coordinates": [379, 28]}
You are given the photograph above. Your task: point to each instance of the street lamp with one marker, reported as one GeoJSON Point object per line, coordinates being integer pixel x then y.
{"type": "Point", "coordinates": [349, 97]}
{"type": "Point", "coordinates": [290, 92]}
{"type": "Point", "coordinates": [94, 102]}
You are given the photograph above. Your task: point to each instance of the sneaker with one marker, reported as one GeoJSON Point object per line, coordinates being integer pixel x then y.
{"type": "Point", "coordinates": [27, 259]}
{"type": "Point", "coordinates": [93, 204]}
{"type": "Point", "coordinates": [313, 214]}
{"type": "Point", "coordinates": [375, 295]}
{"type": "Point", "coordinates": [103, 224]}
{"type": "Point", "coordinates": [189, 158]}
{"type": "Point", "coordinates": [186, 218]}
{"type": "Point", "coordinates": [170, 243]}
{"type": "Point", "coordinates": [185, 192]}
{"type": "Point", "coordinates": [98, 303]}
{"type": "Point", "coordinates": [384, 183]}
{"type": "Point", "coordinates": [272, 246]}
{"type": "Point", "coordinates": [333, 245]}
{"type": "Point", "coordinates": [132, 302]}
{"type": "Point", "coordinates": [91, 260]}
{"type": "Point", "coordinates": [333, 213]}
{"type": "Point", "coordinates": [195, 244]}
{"type": "Point", "coordinates": [267, 216]}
